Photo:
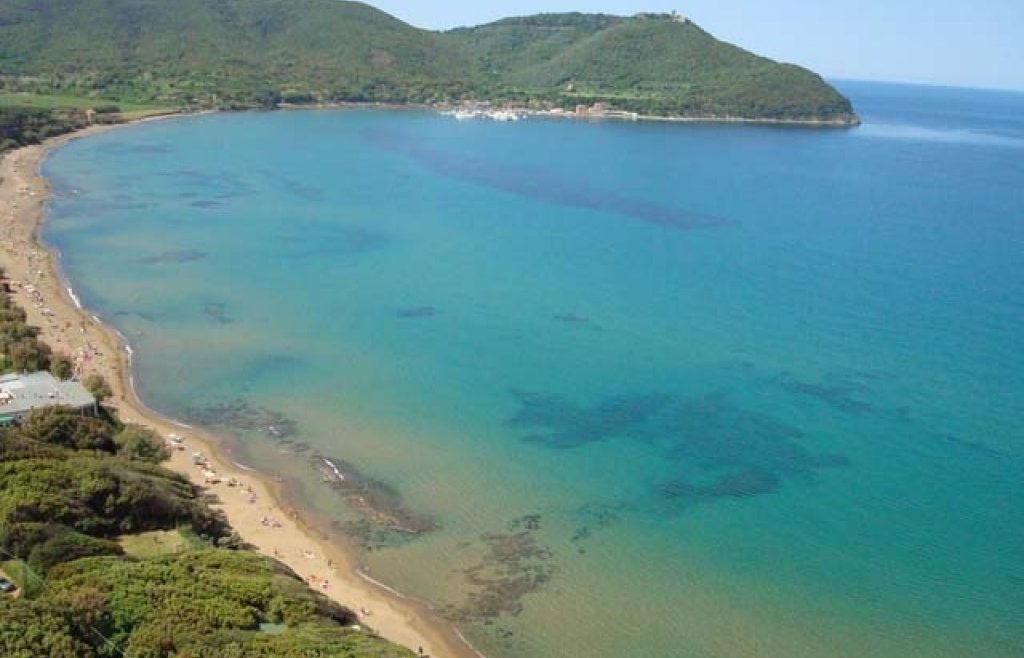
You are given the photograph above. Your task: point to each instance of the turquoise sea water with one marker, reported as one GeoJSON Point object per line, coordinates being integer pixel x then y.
{"type": "Point", "coordinates": [603, 389]}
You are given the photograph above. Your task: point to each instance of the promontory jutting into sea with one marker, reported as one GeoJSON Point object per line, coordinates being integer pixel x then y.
{"type": "Point", "coordinates": [536, 339]}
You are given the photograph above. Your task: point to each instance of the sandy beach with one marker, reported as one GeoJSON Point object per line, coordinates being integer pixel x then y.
{"type": "Point", "coordinates": [252, 502]}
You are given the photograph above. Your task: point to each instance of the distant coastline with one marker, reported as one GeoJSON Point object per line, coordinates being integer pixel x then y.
{"type": "Point", "coordinates": [610, 115]}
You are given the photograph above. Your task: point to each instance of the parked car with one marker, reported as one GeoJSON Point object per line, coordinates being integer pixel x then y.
{"type": "Point", "coordinates": [7, 586]}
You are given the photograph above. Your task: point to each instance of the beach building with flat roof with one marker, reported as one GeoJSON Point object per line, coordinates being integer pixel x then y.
{"type": "Point", "coordinates": [20, 394]}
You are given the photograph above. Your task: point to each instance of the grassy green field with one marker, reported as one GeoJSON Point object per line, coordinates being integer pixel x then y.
{"type": "Point", "coordinates": [29, 118]}
{"type": "Point", "coordinates": [58, 101]}
{"type": "Point", "coordinates": [156, 543]}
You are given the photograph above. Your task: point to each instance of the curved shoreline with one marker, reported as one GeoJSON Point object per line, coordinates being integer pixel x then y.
{"type": "Point", "coordinates": [50, 301]}
{"type": "Point", "coordinates": [851, 121]}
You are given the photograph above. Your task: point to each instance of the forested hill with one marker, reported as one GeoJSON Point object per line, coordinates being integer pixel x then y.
{"type": "Point", "coordinates": [653, 64]}
{"type": "Point", "coordinates": [222, 53]}
{"type": "Point", "coordinates": [245, 53]}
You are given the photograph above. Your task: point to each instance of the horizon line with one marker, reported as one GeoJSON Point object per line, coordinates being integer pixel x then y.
{"type": "Point", "coordinates": [934, 85]}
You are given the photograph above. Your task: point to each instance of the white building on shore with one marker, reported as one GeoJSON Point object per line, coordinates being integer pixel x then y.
{"type": "Point", "coordinates": [21, 394]}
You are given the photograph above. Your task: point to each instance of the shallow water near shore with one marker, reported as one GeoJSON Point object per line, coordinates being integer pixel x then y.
{"type": "Point", "coordinates": [599, 389]}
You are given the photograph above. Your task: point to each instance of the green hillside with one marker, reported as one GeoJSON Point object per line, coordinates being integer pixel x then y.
{"type": "Point", "coordinates": [252, 53]}
{"type": "Point", "coordinates": [654, 64]}
{"type": "Point", "coordinates": [224, 52]}
{"type": "Point", "coordinates": [509, 46]}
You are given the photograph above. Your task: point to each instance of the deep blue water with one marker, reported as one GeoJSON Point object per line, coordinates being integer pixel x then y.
{"type": "Point", "coordinates": [604, 389]}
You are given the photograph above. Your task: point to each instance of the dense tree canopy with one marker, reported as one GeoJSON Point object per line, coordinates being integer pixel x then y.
{"type": "Point", "coordinates": [70, 488]}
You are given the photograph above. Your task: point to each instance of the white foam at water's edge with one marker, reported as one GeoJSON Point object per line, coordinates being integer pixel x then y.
{"type": "Point", "coordinates": [395, 592]}
{"type": "Point", "coordinates": [120, 336]}
{"type": "Point", "coordinates": [335, 469]}
{"type": "Point", "coordinates": [371, 579]}
{"type": "Point", "coordinates": [74, 298]}
{"type": "Point", "coordinates": [467, 642]}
